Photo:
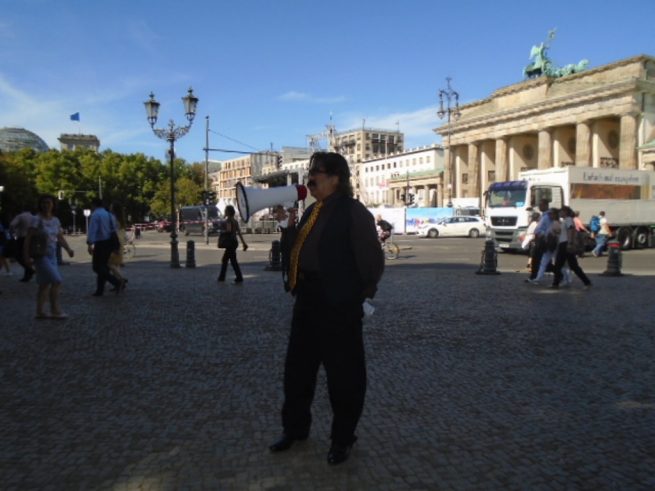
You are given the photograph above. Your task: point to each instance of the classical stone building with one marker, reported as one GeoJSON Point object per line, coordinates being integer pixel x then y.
{"type": "Point", "coordinates": [603, 117]}
{"type": "Point", "coordinates": [71, 141]}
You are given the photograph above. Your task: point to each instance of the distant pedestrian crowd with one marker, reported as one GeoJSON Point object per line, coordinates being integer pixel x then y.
{"type": "Point", "coordinates": [556, 239]}
{"type": "Point", "coordinates": [35, 239]}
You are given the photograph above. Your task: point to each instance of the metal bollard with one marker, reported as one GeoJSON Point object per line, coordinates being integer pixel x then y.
{"type": "Point", "coordinates": [489, 258]}
{"type": "Point", "coordinates": [190, 254]}
{"type": "Point", "coordinates": [274, 257]}
{"type": "Point", "coordinates": [614, 259]}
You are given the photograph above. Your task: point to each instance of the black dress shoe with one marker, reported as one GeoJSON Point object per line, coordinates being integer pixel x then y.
{"type": "Point", "coordinates": [284, 443]}
{"type": "Point", "coordinates": [339, 453]}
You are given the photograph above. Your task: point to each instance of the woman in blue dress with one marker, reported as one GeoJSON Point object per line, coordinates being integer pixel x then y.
{"type": "Point", "coordinates": [48, 277]}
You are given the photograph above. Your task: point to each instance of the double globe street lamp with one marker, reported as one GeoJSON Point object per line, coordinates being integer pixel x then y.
{"type": "Point", "coordinates": [171, 134]}
{"type": "Point", "coordinates": [452, 112]}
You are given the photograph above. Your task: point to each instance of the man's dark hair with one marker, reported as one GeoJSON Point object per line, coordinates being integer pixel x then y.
{"type": "Point", "coordinates": [97, 203]}
{"type": "Point", "coordinates": [334, 164]}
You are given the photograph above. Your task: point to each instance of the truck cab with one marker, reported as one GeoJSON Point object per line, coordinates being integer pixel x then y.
{"type": "Point", "coordinates": [509, 204]}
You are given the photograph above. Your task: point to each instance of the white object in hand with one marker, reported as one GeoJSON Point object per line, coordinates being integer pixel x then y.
{"type": "Point", "coordinates": [368, 308]}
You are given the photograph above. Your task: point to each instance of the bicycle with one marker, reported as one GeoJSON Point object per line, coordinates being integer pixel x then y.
{"type": "Point", "coordinates": [391, 250]}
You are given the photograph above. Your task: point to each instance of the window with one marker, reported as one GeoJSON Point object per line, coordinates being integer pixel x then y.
{"type": "Point", "coordinates": [465, 178]}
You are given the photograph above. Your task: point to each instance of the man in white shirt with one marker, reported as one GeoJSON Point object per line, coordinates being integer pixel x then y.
{"type": "Point", "coordinates": [602, 236]}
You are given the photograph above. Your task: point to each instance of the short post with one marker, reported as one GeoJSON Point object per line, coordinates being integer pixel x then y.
{"type": "Point", "coordinates": [274, 257]}
{"type": "Point", "coordinates": [190, 254]}
{"type": "Point", "coordinates": [614, 259]}
{"type": "Point", "coordinates": [489, 259]}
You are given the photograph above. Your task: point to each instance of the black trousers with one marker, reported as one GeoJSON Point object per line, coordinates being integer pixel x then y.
{"type": "Point", "coordinates": [330, 335]}
{"type": "Point", "coordinates": [20, 244]}
{"type": "Point", "coordinates": [564, 256]}
{"type": "Point", "coordinates": [230, 255]}
{"type": "Point", "coordinates": [101, 252]}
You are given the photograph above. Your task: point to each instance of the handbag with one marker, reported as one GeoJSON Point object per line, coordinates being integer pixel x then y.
{"type": "Point", "coordinates": [115, 243]}
{"type": "Point", "coordinates": [38, 242]}
{"type": "Point", "coordinates": [227, 240]}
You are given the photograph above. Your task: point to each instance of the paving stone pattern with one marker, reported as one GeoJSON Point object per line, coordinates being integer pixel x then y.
{"type": "Point", "coordinates": [475, 382]}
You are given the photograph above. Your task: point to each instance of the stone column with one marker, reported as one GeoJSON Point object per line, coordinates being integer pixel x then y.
{"type": "Point", "coordinates": [628, 142]}
{"type": "Point", "coordinates": [545, 150]}
{"type": "Point", "coordinates": [457, 178]}
{"type": "Point", "coordinates": [501, 159]}
{"type": "Point", "coordinates": [582, 144]}
{"type": "Point", "coordinates": [474, 170]}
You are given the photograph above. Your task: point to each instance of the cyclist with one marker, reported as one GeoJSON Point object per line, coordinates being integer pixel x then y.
{"type": "Point", "coordinates": [384, 228]}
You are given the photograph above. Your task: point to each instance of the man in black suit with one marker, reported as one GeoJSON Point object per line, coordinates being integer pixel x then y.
{"type": "Point", "coordinates": [335, 264]}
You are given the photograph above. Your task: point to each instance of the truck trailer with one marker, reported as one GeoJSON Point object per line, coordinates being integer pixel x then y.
{"type": "Point", "coordinates": [626, 196]}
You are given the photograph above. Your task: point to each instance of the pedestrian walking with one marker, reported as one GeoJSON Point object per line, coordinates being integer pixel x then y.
{"type": "Point", "coordinates": [46, 229]}
{"type": "Point", "coordinates": [116, 260]}
{"type": "Point", "coordinates": [5, 239]}
{"type": "Point", "coordinates": [20, 226]}
{"type": "Point", "coordinates": [336, 263]}
{"type": "Point", "coordinates": [602, 236]}
{"type": "Point", "coordinates": [566, 250]}
{"type": "Point", "coordinates": [100, 246]}
{"type": "Point", "coordinates": [550, 241]}
{"type": "Point", "coordinates": [539, 240]}
{"type": "Point", "coordinates": [228, 238]}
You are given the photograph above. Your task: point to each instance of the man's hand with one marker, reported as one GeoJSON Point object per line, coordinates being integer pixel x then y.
{"type": "Point", "coordinates": [90, 249]}
{"type": "Point", "coordinates": [245, 247]}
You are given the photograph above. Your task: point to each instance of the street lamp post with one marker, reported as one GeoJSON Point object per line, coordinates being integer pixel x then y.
{"type": "Point", "coordinates": [171, 134]}
{"type": "Point", "coordinates": [452, 111]}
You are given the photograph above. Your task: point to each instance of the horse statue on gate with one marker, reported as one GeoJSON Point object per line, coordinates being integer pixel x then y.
{"type": "Point", "coordinates": [542, 65]}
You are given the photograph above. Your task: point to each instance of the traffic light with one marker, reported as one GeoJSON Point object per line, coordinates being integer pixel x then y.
{"type": "Point", "coordinates": [411, 199]}
{"type": "Point", "coordinates": [279, 161]}
{"type": "Point", "coordinates": [211, 197]}
{"type": "Point", "coordinates": [60, 195]}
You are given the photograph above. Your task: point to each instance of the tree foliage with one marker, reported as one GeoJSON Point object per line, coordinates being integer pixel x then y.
{"type": "Point", "coordinates": [139, 183]}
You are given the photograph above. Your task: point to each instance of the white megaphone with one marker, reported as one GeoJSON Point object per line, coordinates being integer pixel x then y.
{"type": "Point", "coordinates": [250, 200]}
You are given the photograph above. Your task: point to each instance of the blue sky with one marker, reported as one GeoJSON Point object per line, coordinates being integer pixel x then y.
{"type": "Point", "coordinates": [271, 72]}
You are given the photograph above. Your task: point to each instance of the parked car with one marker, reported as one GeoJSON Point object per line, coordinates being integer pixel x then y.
{"type": "Point", "coordinates": [164, 226]}
{"type": "Point", "coordinates": [454, 227]}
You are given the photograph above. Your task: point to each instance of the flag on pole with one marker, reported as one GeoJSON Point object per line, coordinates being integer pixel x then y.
{"type": "Point", "coordinates": [75, 117]}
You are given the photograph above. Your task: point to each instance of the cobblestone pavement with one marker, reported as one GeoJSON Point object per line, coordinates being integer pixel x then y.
{"type": "Point", "coordinates": [475, 382]}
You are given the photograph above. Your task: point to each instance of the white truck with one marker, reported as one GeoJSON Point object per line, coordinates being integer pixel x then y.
{"type": "Point", "coordinates": [626, 196]}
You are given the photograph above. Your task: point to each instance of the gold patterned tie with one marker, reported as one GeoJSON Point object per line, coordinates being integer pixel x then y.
{"type": "Point", "coordinates": [300, 240]}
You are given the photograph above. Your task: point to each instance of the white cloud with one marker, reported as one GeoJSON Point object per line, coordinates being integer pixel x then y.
{"type": "Point", "coordinates": [294, 96]}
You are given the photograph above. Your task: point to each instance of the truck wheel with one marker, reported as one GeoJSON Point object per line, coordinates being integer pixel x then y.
{"type": "Point", "coordinates": [640, 238]}
{"type": "Point", "coordinates": [624, 236]}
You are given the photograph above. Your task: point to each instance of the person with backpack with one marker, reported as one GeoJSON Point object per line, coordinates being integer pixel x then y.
{"type": "Point", "coordinates": [602, 234]}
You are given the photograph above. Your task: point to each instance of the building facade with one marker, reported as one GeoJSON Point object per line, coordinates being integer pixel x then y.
{"type": "Point", "coordinates": [243, 169]}
{"type": "Point", "coordinates": [363, 144]}
{"type": "Point", "coordinates": [604, 117]}
{"type": "Point", "coordinates": [69, 141]}
{"type": "Point", "coordinates": [412, 176]}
